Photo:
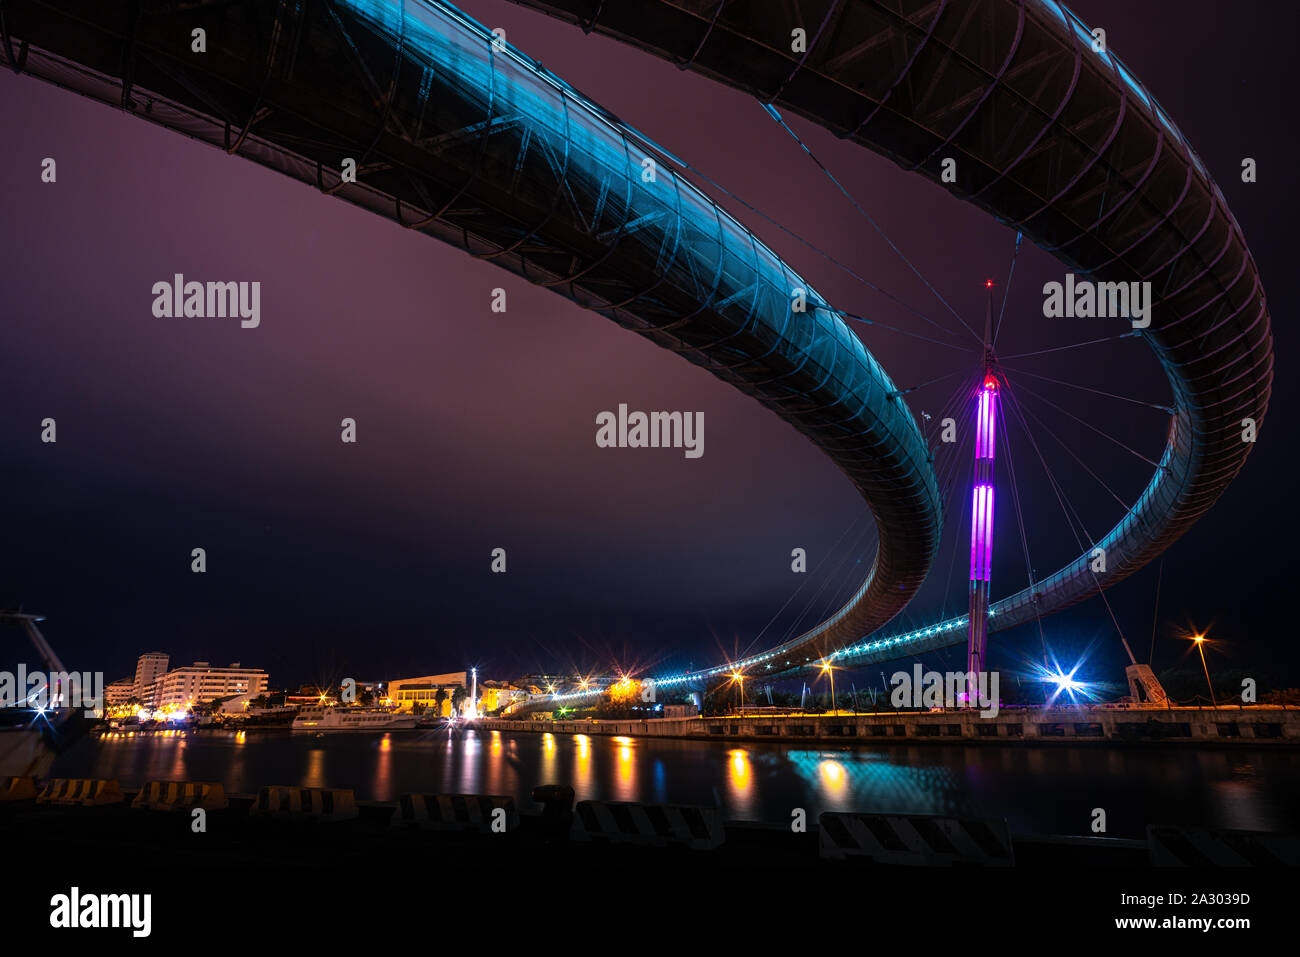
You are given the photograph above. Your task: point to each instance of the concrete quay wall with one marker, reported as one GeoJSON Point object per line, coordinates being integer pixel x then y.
{"type": "Point", "coordinates": [1252, 726]}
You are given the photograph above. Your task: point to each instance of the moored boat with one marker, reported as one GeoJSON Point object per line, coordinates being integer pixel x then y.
{"type": "Point", "coordinates": [349, 719]}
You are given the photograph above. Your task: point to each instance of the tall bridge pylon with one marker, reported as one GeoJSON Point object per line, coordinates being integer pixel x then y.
{"type": "Point", "coordinates": [981, 529]}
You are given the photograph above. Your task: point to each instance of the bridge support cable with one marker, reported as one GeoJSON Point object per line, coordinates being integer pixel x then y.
{"type": "Point", "coordinates": [1020, 524]}
{"type": "Point", "coordinates": [874, 323]}
{"type": "Point", "coordinates": [930, 382]}
{"type": "Point", "coordinates": [1006, 292]}
{"type": "Point", "coordinates": [956, 469]}
{"type": "Point", "coordinates": [771, 111]}
{"type": "Point", "coordinates": [1069, 510]}
{"type": "Point", "coordinates": [793, 626]}
{"type": "Point", "coordinates": [803, 581]}
{"type": "Point", "coordinates": [1168, 410]}
{"type": "Point", "coordinates": [797, 237]}
{"type": "Point", "coordinates": [1073, 345]}
{"type": "Point", "coordinates": [1092, 428]}
{"type": "Point", "coordinates": [1025, 410]}
{"type": "Point", "coordinates": [1155, 612]}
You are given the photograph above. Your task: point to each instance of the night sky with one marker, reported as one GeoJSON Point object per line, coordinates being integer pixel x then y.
{"type": "Point", "coordinates": [476, 429]}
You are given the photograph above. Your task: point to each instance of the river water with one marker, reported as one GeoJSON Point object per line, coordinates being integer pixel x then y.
{"type": "Point", "coordinates": [1037, 789]}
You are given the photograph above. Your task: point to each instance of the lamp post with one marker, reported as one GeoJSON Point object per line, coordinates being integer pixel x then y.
{"type": "Point", "coordinates": [827, 669]}
{"type": "Point", "coordinates": [1200, 646]}
{"type": "Point", "coordinates": [737, 677]}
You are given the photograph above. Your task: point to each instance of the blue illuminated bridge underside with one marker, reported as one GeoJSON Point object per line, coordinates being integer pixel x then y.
{"type": "Point", "coordinates": [479, 146]}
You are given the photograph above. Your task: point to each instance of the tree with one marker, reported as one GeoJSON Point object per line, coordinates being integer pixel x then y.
{"type": "Point", "coordinates": [439, 697]}
{"type": "Point", "coordinates": [417, 708]}
{"type": "Point", "coordinates": [457, 697]}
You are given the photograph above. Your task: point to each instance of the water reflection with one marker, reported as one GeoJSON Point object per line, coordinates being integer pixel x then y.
{"type": "Point", "coordinates": [550, 769]}
{"type": "Point", "coordinates": [582, 771]}
{"type": "Point", "coordinates": [834, 784]}
{"type": "Point", "coordinates": [625, 779]}
{"type": "Point", "coordinates": [740, 785]}
{"type": "Point", "coordinates": [469, 755]}
{"type": "Point", "coordinates": [314, 777]}
{"type": "Point", "coordinates": [1036, 789]}
{"type": "Point", "coordinates": [384, 770]}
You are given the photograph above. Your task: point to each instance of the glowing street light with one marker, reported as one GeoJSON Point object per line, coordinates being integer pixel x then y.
{"type": "Point", "coordinates": [828, 670]}
{"type": "Point", "coordinates": [1199, 640]}
{"type": "Point", "coordinates": [739, 679]}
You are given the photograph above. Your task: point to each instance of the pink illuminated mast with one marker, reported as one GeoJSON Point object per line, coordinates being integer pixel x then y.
{"type": "Point", "coordinates": [981, 529]}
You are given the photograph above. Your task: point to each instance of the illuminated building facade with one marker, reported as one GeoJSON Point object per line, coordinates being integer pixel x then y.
{"type": "Point", "coordinates": [150, 666]}
{"type": "Point", "coordinates": [199, 683]}
{"type": "Point", "coordinates": [119, 692]}
{"type": "Point", "coordinates": [406, 693]}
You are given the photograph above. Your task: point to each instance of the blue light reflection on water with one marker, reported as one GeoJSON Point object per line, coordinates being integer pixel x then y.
{"type": "Point", "coordinates": [1037, 789]}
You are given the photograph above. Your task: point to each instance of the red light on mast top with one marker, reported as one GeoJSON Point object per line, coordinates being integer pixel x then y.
{"type": "Point", "coordinates": [988, 283]}
{"type": "Point", "coordinates": [991, 382]}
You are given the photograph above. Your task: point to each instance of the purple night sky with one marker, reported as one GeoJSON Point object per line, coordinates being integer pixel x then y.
{"type": "Point", "coordinates": [476, 429]}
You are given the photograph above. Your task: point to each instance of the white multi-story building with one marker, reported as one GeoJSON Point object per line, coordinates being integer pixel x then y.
{"type": "Point", "coordinates": [151, 666]}
{"type": "Point", "coordinates": [199, 683]}
{"type": "Point", "coordinates": [118, 692]}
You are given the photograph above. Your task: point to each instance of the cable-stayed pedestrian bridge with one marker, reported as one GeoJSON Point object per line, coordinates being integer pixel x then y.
{"type": "Point", "coordinates": [462, 137]}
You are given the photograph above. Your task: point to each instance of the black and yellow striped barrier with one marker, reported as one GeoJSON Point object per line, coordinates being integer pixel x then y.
{"type": "Point", "coordinates": [918, 840]}
{"type": "Point", "coordinates": [319, 805]}
{"type": "Point", "coordinates": [17, 789]}
{"type": "Point", "coordinates": [618, 822]}
{"type": "Point", "coordinates": [85, 792]}
{"type": "Point", "coordinates": [457, 812]}
{"type": "Point", "coordinates": [181, 796]}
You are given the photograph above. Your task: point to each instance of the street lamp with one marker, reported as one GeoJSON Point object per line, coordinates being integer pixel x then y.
{"type": "Point", "coordinates": [737, 677]}
{"type": "Point", "coordinates": [828, 670]}
{"type": "Point", "coordinates": [1200, 646]}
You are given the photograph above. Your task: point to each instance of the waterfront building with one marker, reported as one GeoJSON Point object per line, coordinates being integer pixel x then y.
{"type": "Point", "coordinates": [495, 695]}
{"type": "Point", "coordinates": [118, 692]}
{"type": "Point", "coordinates": [150, 666]}
{"type": "Point", "coordinates": [201, 682]}
{"type": "Point", "coordinates": [405, 693]}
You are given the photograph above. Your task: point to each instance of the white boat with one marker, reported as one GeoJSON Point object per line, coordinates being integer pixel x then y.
{"type": "Point", "coordinates": [348, 719]}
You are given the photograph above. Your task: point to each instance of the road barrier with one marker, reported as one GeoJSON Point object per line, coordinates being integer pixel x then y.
{"type": "Point", "coordinates": [181, 796]}
{"type": "Point", "coordinates": [455, 812]}
{"type": "Point", "coordinates": [17, 789]}
{"type": "Point", "coordinates": [318, 805]}
{"type": "Point", "coordinates": [916, 840]}
{"type": "Point", "coordinates": [618, 822]}
{"type": "Point", "coordinates": [86, 792]}
{"type": "Point", "coordinates": [1173, 846]}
